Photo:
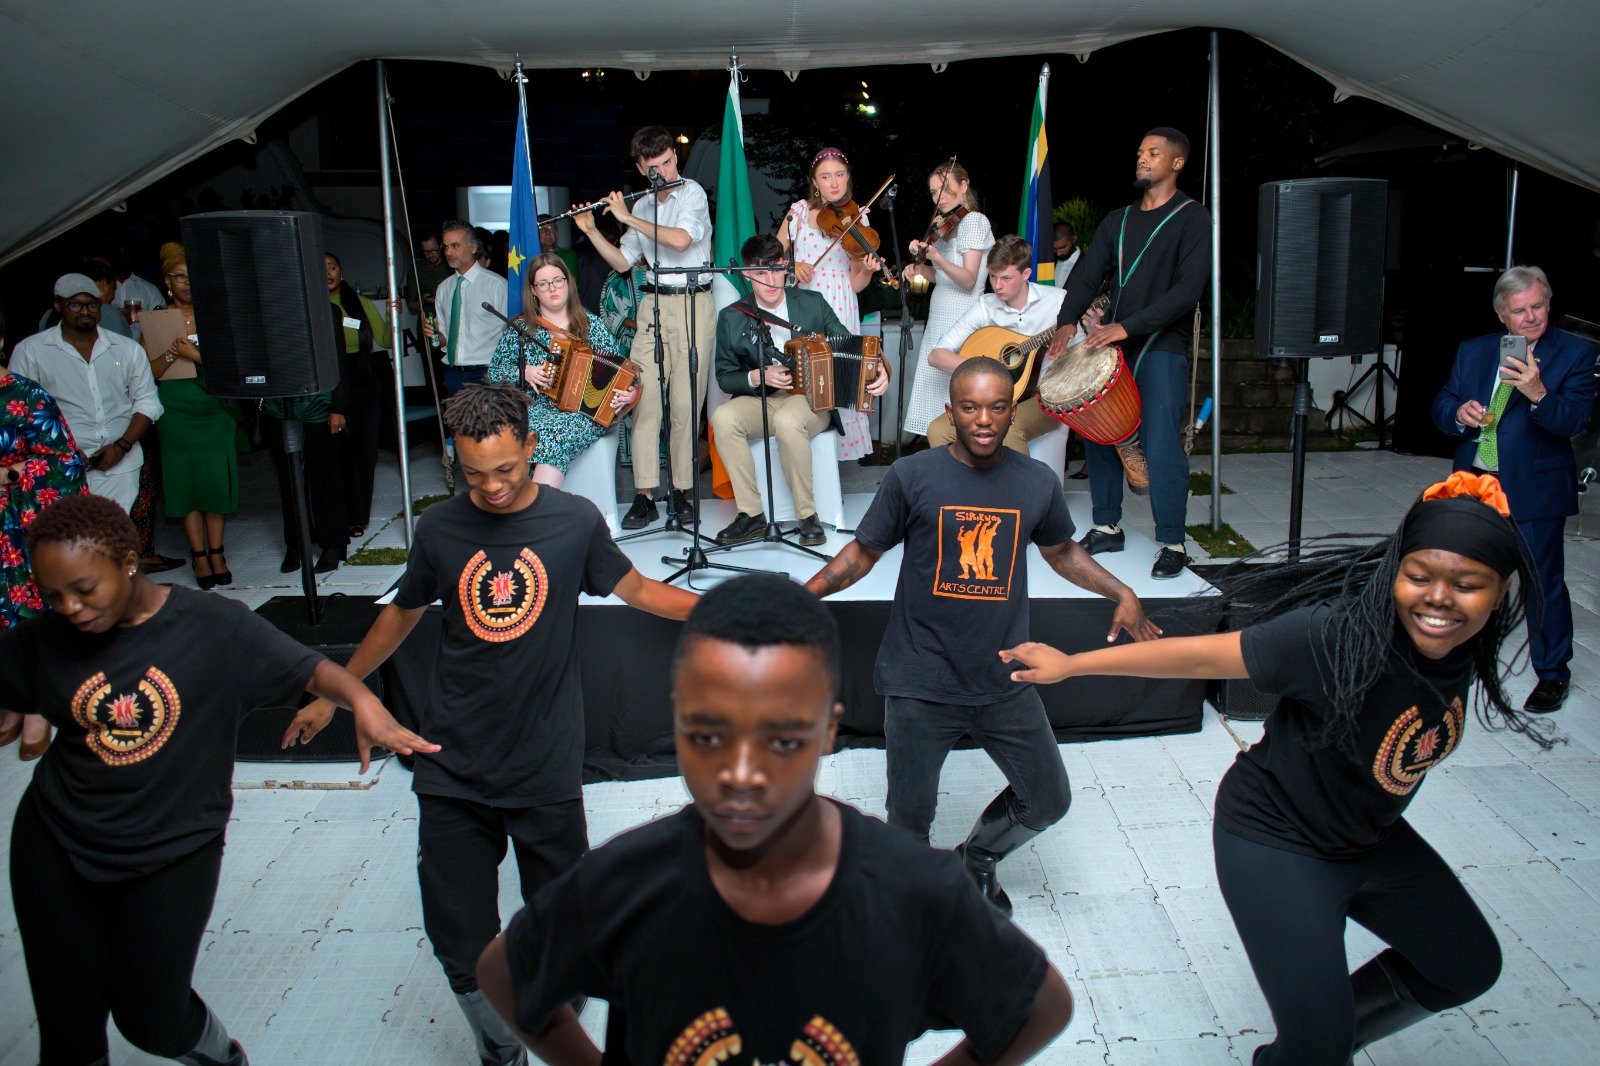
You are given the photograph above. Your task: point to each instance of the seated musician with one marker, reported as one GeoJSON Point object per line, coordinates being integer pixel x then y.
{"type": "Point", "coordinates": [740, 341]}
{"type": "Point", "coordinates": [552, 295]}
{"type": "Point", "coordinates": [1017, 303]}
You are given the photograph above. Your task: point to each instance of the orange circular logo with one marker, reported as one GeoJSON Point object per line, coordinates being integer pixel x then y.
{"type": "Point", "coordinates": [501, 605]}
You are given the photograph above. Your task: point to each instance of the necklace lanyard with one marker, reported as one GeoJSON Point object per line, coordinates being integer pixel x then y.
{"type": "Point", "coordinates": [1123, 279]}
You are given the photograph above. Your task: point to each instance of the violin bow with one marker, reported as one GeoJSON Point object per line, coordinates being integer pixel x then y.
{"type": "Point", "coordinates": [847, 227]}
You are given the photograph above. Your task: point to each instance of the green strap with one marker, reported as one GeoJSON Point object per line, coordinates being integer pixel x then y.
{"type": "Point", "coordinates": [1123, 279]}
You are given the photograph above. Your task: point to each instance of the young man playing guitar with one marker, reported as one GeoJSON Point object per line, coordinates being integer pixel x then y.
{"type": "Point", "coordinates": [1017, 304]}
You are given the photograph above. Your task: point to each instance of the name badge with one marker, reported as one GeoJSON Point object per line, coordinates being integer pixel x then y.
{"type": "Point", "coordinates": [194, 339]}
{"type": "Point", "coordinates": [352, 323]}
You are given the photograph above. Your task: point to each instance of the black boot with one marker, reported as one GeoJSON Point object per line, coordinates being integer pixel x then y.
{"type": "Point", "coordinates": [996, 834]}
{"type": "Point", "coordinates": [1384, 1005]}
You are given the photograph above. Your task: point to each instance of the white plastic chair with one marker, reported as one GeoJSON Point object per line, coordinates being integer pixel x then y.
{"type": "Point", "coordinates": [593, 475]}
{"type": "Point", "coordinates": [1051, 450]}
{"type": "Point", "coordinates": [825, 486]}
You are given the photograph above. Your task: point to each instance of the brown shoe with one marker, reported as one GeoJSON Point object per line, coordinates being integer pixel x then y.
{"type": "Point", "coordinates": [30, 750]}
{"type": "Point", "coordinates": [1138, 471]}
{"type": "Point", "coordinates": [159, 564]}
{"type": "Point", "coordinates": [9, 735]}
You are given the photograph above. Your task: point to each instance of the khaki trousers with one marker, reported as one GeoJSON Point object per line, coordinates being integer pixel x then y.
{"type": "Point", "coordinates": [675, 352]}
{"type": "Point", "coordinates": [793, 423]}
{"type": "Point", "coordinates": [1030, 422]}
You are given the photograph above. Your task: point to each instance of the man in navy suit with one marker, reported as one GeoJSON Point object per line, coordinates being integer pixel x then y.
{"type": "Point", "coordinates": [1524, 436]}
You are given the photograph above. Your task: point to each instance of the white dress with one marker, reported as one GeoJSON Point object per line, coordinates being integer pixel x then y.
{"type": "Point", "coordinates": [831, 278]}
{"type": "Point", "coordinates": [931, 390]}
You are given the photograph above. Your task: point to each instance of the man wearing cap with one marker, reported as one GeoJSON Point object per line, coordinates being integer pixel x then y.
{"type": "Point", "coordinates": [101, 382]}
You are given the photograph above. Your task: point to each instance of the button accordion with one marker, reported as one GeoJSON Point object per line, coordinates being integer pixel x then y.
{"type": "Point", "coordinates": [834, 371]}
{"type": "Point", "coordinates": [585, 381]}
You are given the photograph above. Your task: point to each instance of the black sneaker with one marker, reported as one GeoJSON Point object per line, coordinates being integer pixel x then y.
{"type": "Point", "coordinates": [743, 528]}
{"type": "Point", "coordinates": [1097, 540]}
{"type": "Point", "coordinates": [680, 504]}
{"type": "Point", "coordinates": [811, 532]}
{"type": "Point", "coordinates": [1169, 563]}
{"type": "Point", "coordinates": [642, 513]}
{"type": "Point", "coordinates": [1546, 696]}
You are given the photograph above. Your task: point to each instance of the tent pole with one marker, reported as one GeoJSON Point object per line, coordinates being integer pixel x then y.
{"type": "Point", "coordinates": [1214, 156]}
{"type": "Point", "coordinates": [398, 355]}
{"type": "Point", "coordinates": [1511, 215]}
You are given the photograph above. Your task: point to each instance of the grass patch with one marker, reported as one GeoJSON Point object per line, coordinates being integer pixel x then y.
{"type": "Point", "coordinates": [422, 503]}
{"type": "Point", "coordinates": [379, 557]}
{"type": "Point", "coordinates": [1200, 484]}
{"type": "Point", "coordinates": [1224, 543]}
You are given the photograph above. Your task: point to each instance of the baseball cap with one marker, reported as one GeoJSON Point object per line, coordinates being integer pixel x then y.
{"type": "Point", "coordinates": [68, 285]}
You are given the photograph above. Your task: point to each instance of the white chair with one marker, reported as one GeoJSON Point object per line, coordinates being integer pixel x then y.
{"type": "Point", "coordinates": [1051, 450]}
{"type": "Point", "coordinates": [825, 486]}
{"type": "Point", "coordinates": [593, 475]}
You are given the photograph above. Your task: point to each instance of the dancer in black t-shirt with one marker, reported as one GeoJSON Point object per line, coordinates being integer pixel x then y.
{"type": "Point", "coordinates": [766, 923]}
{"type": "Point", "coordinates": [117, 843]}
{"type": "Point", "coordinates": [508, 560]}
{"type": "Point", "coordinates": [966, 513]}
{"type": "Point", "coordinates": [1374, 665]}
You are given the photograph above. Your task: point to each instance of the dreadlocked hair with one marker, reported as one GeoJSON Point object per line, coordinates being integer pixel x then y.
{"type": "Point", "coordinates": [1357, 576]}
{"type": "Point", "coordinates": [480, 411]}
{"type": "Point", "coordinates": [96, 521]}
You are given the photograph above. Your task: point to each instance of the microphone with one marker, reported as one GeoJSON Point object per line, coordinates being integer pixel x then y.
{"type": "Point", "coordinates": [656, 180]}
{"type": "Point", "coordinates": [889, 195]}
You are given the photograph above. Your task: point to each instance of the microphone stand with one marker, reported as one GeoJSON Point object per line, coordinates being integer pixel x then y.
{"type": "Point", "coordinates": [905, 322]}
{"type": "Point", "coordinates": [767, 354]}
{"type": "Point", "coordinates": [524, 338]}
{"type": "Point", "coordinates": [694, 556]}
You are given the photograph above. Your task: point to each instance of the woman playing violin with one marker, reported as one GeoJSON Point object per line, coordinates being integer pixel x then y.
{"type": "Point", "coordinates": [953, 254]}
{"type": "Point", "coordinates": [836, 275]}
{"type": "Point", "coordinates": [552, 294]}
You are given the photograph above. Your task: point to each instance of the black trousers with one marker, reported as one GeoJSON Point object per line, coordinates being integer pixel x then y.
{"type": "Point", "coordinates": [460, 844]}
{"type": "Point", "coordinates": [323, 461]}
{"type": "Point", "coordinates": [363, 400]}
{"type": "Point", "coordinates": [98, 950]}
{"type": "Point", "coordinates": [1290, 910]}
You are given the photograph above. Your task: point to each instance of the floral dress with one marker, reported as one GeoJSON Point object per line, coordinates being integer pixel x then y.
{"type": "Point", "coordinates": [831, 277]}
{"type": "Point", "coordinates": [931, 390]}
{"type": "Point", "coordinates": [562, 434]}
{"type": "Point", "coordinates": [32, 432]}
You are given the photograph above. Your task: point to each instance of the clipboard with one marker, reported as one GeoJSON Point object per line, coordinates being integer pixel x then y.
{"type": "Point", "coordinates": [160, 329]}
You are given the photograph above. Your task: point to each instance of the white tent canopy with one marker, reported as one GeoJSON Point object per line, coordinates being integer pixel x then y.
{"type": "Point", "coordinates": [102, 98]}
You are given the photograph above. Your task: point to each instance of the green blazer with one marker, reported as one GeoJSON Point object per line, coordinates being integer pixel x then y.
{"type": "Point", "coordinates": [737, 336]}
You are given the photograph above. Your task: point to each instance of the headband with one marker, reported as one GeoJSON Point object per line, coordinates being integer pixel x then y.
{"type": "Point", "coordinates": [1466, 514]}
{"type": "Point", "coordinates": [828, 153]}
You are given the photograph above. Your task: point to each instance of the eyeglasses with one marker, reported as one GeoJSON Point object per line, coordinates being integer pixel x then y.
{"type": "Point", "coordinates": [175, 276]}
{"type": "Point", "coordinates": [551, 285]}
{"type": "Point", "coordinates": [78, 307]}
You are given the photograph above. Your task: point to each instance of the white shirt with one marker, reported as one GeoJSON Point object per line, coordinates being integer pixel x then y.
{"type": "Point", "coordinates": [136, 288]}
{"type": "Point", "coordinates": [1064, 267]}
{"type": "Point", "coordinates": [98, 397]}
{"type": "Point", "coordinates": [684, 208]}
{"type": "Point", "coordinates": [479, 331]}
{"type": "Point", "coordinates": [1037, 314]}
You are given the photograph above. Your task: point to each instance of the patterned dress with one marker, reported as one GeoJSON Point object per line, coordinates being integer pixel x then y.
{"type": "Point", "coordinates": [562, 434]}
{"type": "Point", "coordinates": [931, 390]}
{"type": "Point", "coordinates": [32, 432]}
{"type": "Point", "coordinates": [831, 278]}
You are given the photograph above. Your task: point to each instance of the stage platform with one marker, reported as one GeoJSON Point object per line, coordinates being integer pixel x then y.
{"type": "Point", "coordinates": [626, 655]}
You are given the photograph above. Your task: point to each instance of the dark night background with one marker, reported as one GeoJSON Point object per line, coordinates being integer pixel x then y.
{"type": "Point", "coordinates": [453, 127]}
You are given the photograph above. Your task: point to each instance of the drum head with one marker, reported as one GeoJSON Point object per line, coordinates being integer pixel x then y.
{"type": "Point", "coordinates": [1077, 374]}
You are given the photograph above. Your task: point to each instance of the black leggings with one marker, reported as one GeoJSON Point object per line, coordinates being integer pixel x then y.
{"type": "Point", "coordinates": [121, 949]}
{"type": "Point", "coordinates": [1290, 910]}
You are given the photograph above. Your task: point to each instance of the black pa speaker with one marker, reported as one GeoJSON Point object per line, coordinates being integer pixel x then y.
{"type": "Point", "coordinates": [261, 303]}
{"type": "Point", "coordinates": [1319, 267]}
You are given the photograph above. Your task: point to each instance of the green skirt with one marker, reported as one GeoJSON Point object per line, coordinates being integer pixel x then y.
{"type": "Point", "coordinates": [199, 461]}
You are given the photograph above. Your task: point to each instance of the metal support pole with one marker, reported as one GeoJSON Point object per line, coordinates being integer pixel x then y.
{"type": "Point", "coordinates": [1214, 155]}
{"type": "Point", "coordinates": [1511, 216]}
{"type": "Point", "coordinates": [397, 357]}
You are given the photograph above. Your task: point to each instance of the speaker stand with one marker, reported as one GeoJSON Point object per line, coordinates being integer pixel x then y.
{"type": "Point", "coordinates": [294, 446]}
{"type": "Point", "coordinates": [1385, 376]}
{"type": "Point", "coordinates": [1297, 445]}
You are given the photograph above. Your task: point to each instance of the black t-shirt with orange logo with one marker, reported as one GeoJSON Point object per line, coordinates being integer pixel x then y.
{"type": "Point", "coordinates": [963, 588]}
{"type": "Point", "coordinates": [1324, 801]}
{"type": "Point", "coordinates": [504, 699]}
{"type": "Point", "coordinates": [141, 771]}
{"type": "Point", "coordinates": [899, 943]}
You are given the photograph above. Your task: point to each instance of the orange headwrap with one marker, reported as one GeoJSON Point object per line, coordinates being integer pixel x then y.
{"type": "Point", "coordinates": [1485, 488]}
{"type": "Point", "coordinates": [172, 257]}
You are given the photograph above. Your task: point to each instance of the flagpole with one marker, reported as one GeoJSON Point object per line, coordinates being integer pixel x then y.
{"type": "Point", "coordinates": [397, 357]}
{"type": "Point", "coordinates": [522, 106]}
{"type": "Point", "coordinates": [1214, 157]}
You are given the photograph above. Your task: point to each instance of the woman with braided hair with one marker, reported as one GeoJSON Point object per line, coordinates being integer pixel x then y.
{"type": "Point", "coordinates": [116, 845]}
{"type": "Point", "coordinates": [1373, 653]}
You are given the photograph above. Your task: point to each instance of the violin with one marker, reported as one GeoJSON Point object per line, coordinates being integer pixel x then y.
{"type": "Point", "coordinates": [842, 222]}
{"type": "Point", "coordinates": [942, 228]}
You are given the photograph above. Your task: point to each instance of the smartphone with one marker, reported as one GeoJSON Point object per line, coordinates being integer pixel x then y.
{"type": "Point", "coordinates": [1513, 347]}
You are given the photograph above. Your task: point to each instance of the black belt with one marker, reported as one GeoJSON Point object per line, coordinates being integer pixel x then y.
{"type": "Point", "coordinates": [667, 290]}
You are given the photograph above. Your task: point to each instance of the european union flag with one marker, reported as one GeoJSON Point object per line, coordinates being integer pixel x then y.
{"type": "Point", "coordinates": [524, 213]}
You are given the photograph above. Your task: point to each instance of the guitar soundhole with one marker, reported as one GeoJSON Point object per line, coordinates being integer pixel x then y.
{"type": "Point", "coordinates": [1011, 357]}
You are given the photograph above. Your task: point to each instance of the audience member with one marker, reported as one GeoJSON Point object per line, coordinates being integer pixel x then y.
{"type": "Point", "coordinates": [464, 331]}
{"type": "Point", "coordinates": [1067, 252]}
{"type": "Point", "coordinates": [365, 336]}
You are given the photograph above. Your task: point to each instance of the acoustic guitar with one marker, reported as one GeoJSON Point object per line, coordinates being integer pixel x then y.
{"type": "Point", "coordinates": [1022, 355]}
